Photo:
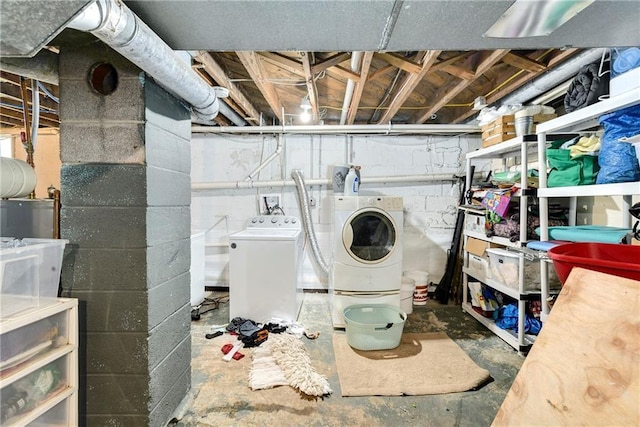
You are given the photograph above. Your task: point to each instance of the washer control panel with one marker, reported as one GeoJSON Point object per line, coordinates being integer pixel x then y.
{"type": "Point", "coordinates": [274, 221]}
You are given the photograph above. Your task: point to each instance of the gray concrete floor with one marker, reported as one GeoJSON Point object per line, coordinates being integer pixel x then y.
{"type": "Point", "coordinates": [221, 396]}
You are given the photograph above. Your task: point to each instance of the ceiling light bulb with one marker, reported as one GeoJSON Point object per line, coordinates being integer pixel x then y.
{"type": "Point", "coordinates": [305, 116]}
{"type": "Point", "coordinates": [305, 104]}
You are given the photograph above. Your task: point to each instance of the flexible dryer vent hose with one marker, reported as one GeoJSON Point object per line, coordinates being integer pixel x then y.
{"type": "Point", "coordinates": [305, 210]}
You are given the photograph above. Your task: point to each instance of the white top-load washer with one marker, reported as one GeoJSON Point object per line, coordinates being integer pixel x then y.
{"type": "Point", "coordinates": [265, 261]}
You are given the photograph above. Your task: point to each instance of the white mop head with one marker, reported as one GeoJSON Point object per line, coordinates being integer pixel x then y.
{"type": "Point", "coordinates": [293, 362]}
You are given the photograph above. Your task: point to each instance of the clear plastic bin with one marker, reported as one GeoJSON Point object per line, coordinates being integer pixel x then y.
{"type": "Point", "coordinates": [505, 269]}
{"type": "Point", "coordinates": [29, 271]}
{"type": "Point", "coordinates": [31, 341]}
{"type": "Point", "coordinates": [35, 388]}
{"type": "Point", "coordinates": [479, 266]}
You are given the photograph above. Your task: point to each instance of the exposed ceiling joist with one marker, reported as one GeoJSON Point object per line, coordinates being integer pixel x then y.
{"type": "Point", "coordinates": [334, 60]}
{"type": "Point", "coordinates": [446, 94]}
{"type": "Point", "coordinates": [408, 84]}
{"type": "Point", "coordinates": [523, 63]}
{"type": "Point", "coordinates": [251, 62]}
{"type": "Point", "coordinates": [344, 73]}
{"type": "Point", "coordinates": [380, 72]}
{"type": "Point", "coordinates": [459, 72]}
{"type": "Point", "coordinates": [45, 119]}
{"type": "Point", "coordinates": [400, 62]}
{"type": "Point", "coordinates": [283, 62]}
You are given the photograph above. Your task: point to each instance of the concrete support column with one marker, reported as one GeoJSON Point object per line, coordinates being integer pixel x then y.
{"type": "Point", "coordinates": [125, 188]}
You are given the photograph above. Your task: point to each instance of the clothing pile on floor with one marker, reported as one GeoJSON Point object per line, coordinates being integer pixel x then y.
{"type": "Point", "coordinates": [279, 356]}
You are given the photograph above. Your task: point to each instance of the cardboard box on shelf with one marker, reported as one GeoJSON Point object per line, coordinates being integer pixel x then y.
{"type": "Point", "coordinates": [478, 247]}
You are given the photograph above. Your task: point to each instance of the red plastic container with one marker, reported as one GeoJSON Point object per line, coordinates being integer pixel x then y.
{"type": "Point", "coordinates": [617, 260]}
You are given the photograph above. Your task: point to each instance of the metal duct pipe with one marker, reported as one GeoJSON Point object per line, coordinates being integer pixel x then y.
{"type": "Point", "coordinates": [385, 129]}
{"type": "Point", "coordinates": [43, 66]}
{"type": "Point", "coordinates": [348, 95]}
{"type": "Point", "coordinates": [267, 160]}
{"type": "Point", "coordinates": [553, 78]}
{"type": "Point", "coordinates": [116, 25]}
{"type": "Point", "coordinates": [230, 185]}
{"type": "Point", "coordinates": [305, 210]}
{"type": "Point", "coordinates": [231, 114]}
{"type": "Point", "coordinates": [226, 111]}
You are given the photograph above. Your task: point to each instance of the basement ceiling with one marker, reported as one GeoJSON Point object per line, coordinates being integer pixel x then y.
{"type": "Point", "coordinates": [420, 61]}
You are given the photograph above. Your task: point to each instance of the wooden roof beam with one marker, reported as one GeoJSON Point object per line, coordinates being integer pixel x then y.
{"type": "Point", "coordinates": [251, 61]}
{"type": "Point", "coordinates": [380, 72]}
{"type": "Point", "coordinates": [446, 94]}
{"type": "Point", "coordinates": [459, 72]}
{"type": "Point", "coordinates": [367, 57]}
{"type": "Point", "coordinates": [312, 91]}
{"type": "Point", "coordinates": [330, 62]}
{"type": "Point", "coordinates": [344, 73]}
{"type": "Point", "coordinates": [400, 62]}
{"type": "Point", "coordinates": [283, 62]}
{"type": "Point", "coordinates": [218, 74]}
{"type": "Point", "coordinates": [17, 115]}
{"type": "Point", "coordinates": [11, 122]}
{"type": "Point", "coordinates": [408, 84]}
{"type": "Point", "coordinates": [443, 64]}
{"type": "Point", "coordinates": [523, 63]}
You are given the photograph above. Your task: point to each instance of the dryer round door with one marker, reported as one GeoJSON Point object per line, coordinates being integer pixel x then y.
{"type": "Point", "coordinates": [369, 236]}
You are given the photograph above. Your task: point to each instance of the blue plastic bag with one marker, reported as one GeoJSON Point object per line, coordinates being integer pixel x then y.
{"type": "Point", "coordinates": [507, 318]}
{"type": "Point", "coordinates": [618, 162]}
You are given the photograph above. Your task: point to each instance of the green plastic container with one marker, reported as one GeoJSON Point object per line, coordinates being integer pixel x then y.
{"type": "Point", "coordinates": [374, 326]}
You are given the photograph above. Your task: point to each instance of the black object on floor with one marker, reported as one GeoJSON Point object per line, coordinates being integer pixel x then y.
{"type": "Point", "coordinates": [444, 287]}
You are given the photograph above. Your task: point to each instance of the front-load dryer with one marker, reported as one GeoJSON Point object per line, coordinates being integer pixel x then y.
{"type": "Point", "coordinates": [367, 258]}
{"type": "Point", "coordinates": [368, 243]}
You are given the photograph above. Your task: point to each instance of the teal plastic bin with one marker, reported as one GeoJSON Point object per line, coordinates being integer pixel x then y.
{"type": "Point", "coordinates": [374, 326]}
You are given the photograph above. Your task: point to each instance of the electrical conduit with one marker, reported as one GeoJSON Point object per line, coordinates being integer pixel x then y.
{"type": "Point", "coordinates": [305, 210]}
{"type": "Point", "coordinates": [116, 25]}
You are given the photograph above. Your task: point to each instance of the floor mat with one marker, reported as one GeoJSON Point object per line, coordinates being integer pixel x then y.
{"type": "Point", "coordinates": [427, 363]}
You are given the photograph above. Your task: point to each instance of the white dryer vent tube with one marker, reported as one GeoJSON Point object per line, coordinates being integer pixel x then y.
{"type": "Point", "coordinates": [305, 210]}
{"type": "Point", "coordinates": [17, 178]}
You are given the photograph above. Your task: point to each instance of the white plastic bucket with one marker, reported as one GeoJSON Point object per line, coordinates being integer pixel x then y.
{"type": "Point", "coordinates": [406, 294]}
{"type": "Point", "coordinates": [421, 277]}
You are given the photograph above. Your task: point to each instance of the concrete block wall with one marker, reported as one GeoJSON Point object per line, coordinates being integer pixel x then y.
{"type": "Point", "coordinates": [429, 208]}
{"type": "Point", "coordinates": [126, 213]}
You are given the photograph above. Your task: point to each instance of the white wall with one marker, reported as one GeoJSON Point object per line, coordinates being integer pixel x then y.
{"type": "Point", "coordinates": [429, 208]}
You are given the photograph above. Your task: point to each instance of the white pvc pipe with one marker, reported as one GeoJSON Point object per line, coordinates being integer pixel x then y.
{"type": "Point", "coordinates": [266, 161]}
{"type": "Point", "coordinates": [35, 112]}
{"type": "Point", "coordinates": [385, 129]}
{"type": "Point", "coordinates": [116, 25]}
{"type": "Point", "coordinates": [229, 185]}
{"type": "Point", "coordinates": [348, 95]}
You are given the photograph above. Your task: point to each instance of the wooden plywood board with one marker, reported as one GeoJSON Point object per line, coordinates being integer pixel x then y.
{"type": "Point", "coordinates": [584, 368]}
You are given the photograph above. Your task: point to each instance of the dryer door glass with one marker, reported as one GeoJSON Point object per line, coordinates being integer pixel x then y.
{"type": "Point", "coordinates": [374, 237]}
